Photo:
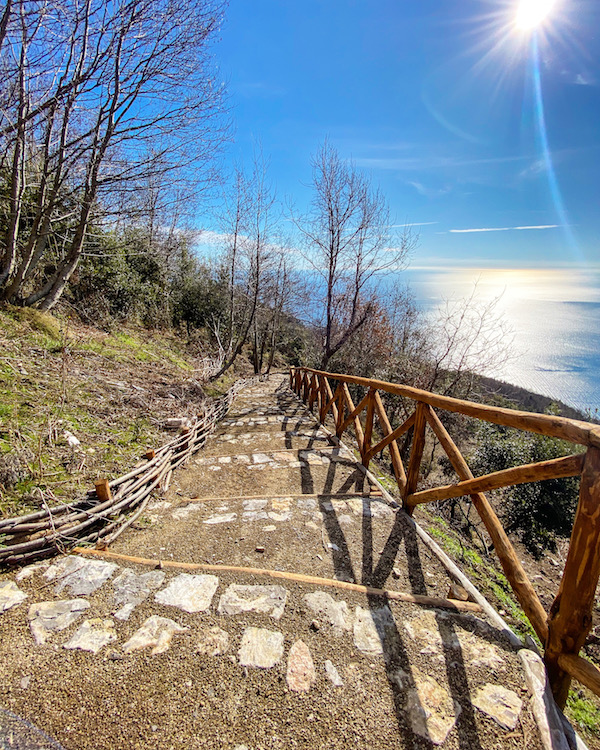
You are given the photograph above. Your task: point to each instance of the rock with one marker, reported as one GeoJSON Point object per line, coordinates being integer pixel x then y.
{"type": "Point", "coordinates": [256, 504]}
{"type": "Point", "coordinates": [30, 570]}
{"type": "Point", "coordinates": [315, 625]}
{"type": "Point", "coordinates": [429, 707]}
{"type": "Point", "coordinates": [223, 518]}
{"type": "Point", "coordinates": [238, 598]}
{"type": "Point", "coordinates": [306, 503]}
{"type": "Point", "coordinates": [336, 613]}
{"type": "Point", "coordinates": [333, 674]}
{"type": "Point", "coordinates": [375, 631]}
{"type": "Point", "coordinates": [10, 595]}
{"type": "Point", "coordinates": [261, 648]}
{"type": "Point", "coordinates": [24, 682]}
{"type": "Point", "coordinates": [270, 527]}
{"type": "Point", "coordinates": [301, 669]}
{"type": "Point", "coordinates": [499, 703]}
{"type": "Point", "coordinates": [483, 654]}
{"type": "Point", "coordinates": [79, 575]}
{"type": "Point", "coordinates": [279, 517]}
{"type": "Point", "coordinates": [260, 458]}
{"type": "Point", "coordinates": [191, 593]}
{"type": "Point", "coordinates": [259, 549]}
{"type": "Point", "coordinates": [48, 617]}
{"type": "Point", "coordinates": [254, 515]}
{"type": "Point", "coordinates": [458, 592]}
{"type": "Point", "coordinates": [212, 641]}
{"type": "Point", "coordinates": [281, 504]}
{"type": "Point", "coordinates": [92, 635]}
{"type": "Point", "coordinates": [156, 632]}
{"type": "Point", "coordinates": [130, 589]}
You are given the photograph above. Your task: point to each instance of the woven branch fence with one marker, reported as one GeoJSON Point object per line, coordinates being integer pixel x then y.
{"type": "Point", "coordinates": [103, 513]}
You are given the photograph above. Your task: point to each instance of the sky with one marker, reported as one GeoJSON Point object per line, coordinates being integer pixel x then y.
{"type": "Point", "coordinates": [484, 136]}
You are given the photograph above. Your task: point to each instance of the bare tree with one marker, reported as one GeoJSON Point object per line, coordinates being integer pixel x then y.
{"type": "Point", "coordinates": [349, 242]}
{"type": "Point", "coordinates": [98, 99]}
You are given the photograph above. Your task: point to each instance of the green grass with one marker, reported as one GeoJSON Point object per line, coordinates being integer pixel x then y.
{"type": "Point", "coordinates": [584, 714]}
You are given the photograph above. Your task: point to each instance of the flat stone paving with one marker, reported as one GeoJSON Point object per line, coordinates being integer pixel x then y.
{"type": "Point", "coordinates": [104, 653]}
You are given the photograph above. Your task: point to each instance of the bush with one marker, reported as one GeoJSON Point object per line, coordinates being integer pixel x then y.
{"type": "Point", "coordinates": [537, 512]}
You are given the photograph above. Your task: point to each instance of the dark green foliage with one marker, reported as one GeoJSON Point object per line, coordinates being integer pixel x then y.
{"type": "Point", "coordinates": [537, 512]}
{"type": "Point", "coordinates": [121, 279]}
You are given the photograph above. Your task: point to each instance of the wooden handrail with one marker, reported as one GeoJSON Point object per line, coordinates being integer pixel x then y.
{"type": "Point", "coordinates": [582, 433]}
{"type": "Point", "coordinates": [564, 629]}
{"type": "Point", "coordinates": [556, 468]}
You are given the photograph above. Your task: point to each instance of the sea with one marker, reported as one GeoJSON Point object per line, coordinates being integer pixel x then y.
{"type": "Point", "coordinates": [553, 316]}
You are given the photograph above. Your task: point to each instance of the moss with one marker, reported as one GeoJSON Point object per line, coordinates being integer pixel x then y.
{"type": "Point", "coordinates": [584, 713]}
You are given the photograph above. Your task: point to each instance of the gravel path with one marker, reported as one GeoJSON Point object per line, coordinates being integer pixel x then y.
{"type": "Point", "coordinates": [107, 653]}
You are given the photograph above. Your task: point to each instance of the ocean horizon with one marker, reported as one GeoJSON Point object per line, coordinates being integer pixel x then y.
{"type": "Point", "coordinates": [554, 316]}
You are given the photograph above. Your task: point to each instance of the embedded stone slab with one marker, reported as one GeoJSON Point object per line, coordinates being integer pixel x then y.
{"type": "Point", "coordinates": [336, 613]}
{"type": "Point", "coordinates": [223, 518]}
{"type": "Point", "coordinates": [261, 458]}
{"type": "Point", "coordinates": [239, 598]}
{"type": "Point", "coordinates": [48, 617]}
{"type": "Point", "coordinates": [130, 589]}
{"type": "Point", "coordinates": [156, 632]}
{"type": "Point", "coordinates": [79, 575]}
{"type": "Point", "coordinates": [181, 513]}
{"type": "Point", "coordinates": [191, 593]}
{"type": "Point", "coordinates": [430, 709]}
{"type": "Point", "coordinates": [333, 674]}
{"type": "Point", "coordinates": [213, 641]}
{"type": "Point", "coordinates": [92, 635]}
{"type": "Point", "coordinates": [30, 570]}
{"type": "Point", "coordinates": [261, 648]}
{"type": "Point", "coordinates": [374, 631]}
{"type": "Point", "coordinates": [254, 504]}
{"type": "Point", "coordinates": [300, 668]}
{"type": "Point", "coordinates": [499, 703]}
{"type": "Point", "coordinates": [10, 595]}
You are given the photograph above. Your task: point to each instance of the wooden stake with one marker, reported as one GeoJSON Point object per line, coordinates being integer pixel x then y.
{"type": "Point", "coordinates": [103, 490]}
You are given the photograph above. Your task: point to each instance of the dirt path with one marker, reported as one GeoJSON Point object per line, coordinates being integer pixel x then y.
{"type": "Point", "coordinates": [109, 654]}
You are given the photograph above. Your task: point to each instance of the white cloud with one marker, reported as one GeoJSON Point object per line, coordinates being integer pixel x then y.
{"type": "Point", "coordinates": [413, 224]}
{"type": "Point", "coordinates": [504, 229]}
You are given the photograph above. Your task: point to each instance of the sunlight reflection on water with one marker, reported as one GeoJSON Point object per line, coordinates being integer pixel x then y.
{"type": "Point", "coordinates": [555, 316]}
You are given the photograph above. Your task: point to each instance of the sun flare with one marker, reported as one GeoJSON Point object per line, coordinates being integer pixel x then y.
{"type": "Point", "coordinates": [532, 13]}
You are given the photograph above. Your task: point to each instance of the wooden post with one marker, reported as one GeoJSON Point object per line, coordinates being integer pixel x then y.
{"type": "Point", "coordinates": [103, 490]}
{"type": "Point", "coordinates": [368, 436]}
{"type": "Point", "coordinates": [357, 425]}
{"type": "Point", "coordinates": [312, 393]}
{"type": "Point", "coordinates": [511, 565]}
{"type": "Point", "coordinates": [570, 617]}
{"type": "Point", "coordinates": [399, 472]}
{"type": "Point", "coordinates": [416, 454]}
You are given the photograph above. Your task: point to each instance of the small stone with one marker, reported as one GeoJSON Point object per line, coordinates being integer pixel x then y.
{"type": "Point", "coordinates": [10, 595]}
{"type": "Point", "coordinates": [261, 648]}
{"type": "Point", "coordinates": [270, 527]}
{"type": "Point", "coordinates": [257, 504]}
{"type": "Point", "coordinates": [500, 704]}
{"type": "Point", "coordinates": [92, 635]}
{"type": "Point", "coordinates": [315, 625]}
{"type": "Point", "coordinates": [374, 630]}
{"type": "Point", "coordinates": [79, 575]}
{"type": "Point", "coordinates": [333, 674]}
{"type": "Point", "coordinates": [301, 669]}
{"type": "Point", "coordinates": [24, 683]}
{"type": "Point", "coordinates": [191, 593]}
{"type": "Point", "coordinates": [458, 593]}
{"type": "Point", "coordinates": [156, 632]}
{"type": "Point", "coordinates": [336, 613]}
{"type": "Point", "coordinates": [431, 711]}
{"type": "Point", "coordinates": [239, 598]}
{"type": "Point", "coordinates": [212, 641]}
{"type": "Point", "coordinates": [223, 518]}
{"type": "Point", "coordinates": [259, 549]}
{"type": "Point", "coordinates": [396, 573]}
{"type": "Point", "coordinates": [130, 589]}
{"type": "Point", "coordinates": [48, 617]}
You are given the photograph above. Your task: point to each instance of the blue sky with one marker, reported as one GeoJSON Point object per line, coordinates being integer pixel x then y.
{"type": "Point", "coordinates": [436, 100]}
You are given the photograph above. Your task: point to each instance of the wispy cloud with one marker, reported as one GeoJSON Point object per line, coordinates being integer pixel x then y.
{"type": "Point", "coordinates": [413, 224]}
{"type": "Point", "coordinates": [584, 79]}
{"type": "Point", "coordinates": [503, 229]}
{"type": "Point", "coordinates": [428, 192]}
{"type": "Point", "coordinates": [432, 162]}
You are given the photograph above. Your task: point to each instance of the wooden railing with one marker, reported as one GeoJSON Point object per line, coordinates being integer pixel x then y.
{"type": "Point", "coordinates": [564, 629]}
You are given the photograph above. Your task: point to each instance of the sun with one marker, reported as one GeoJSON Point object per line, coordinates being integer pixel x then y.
{"type": "Point", "coordinates": [532, 13]}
